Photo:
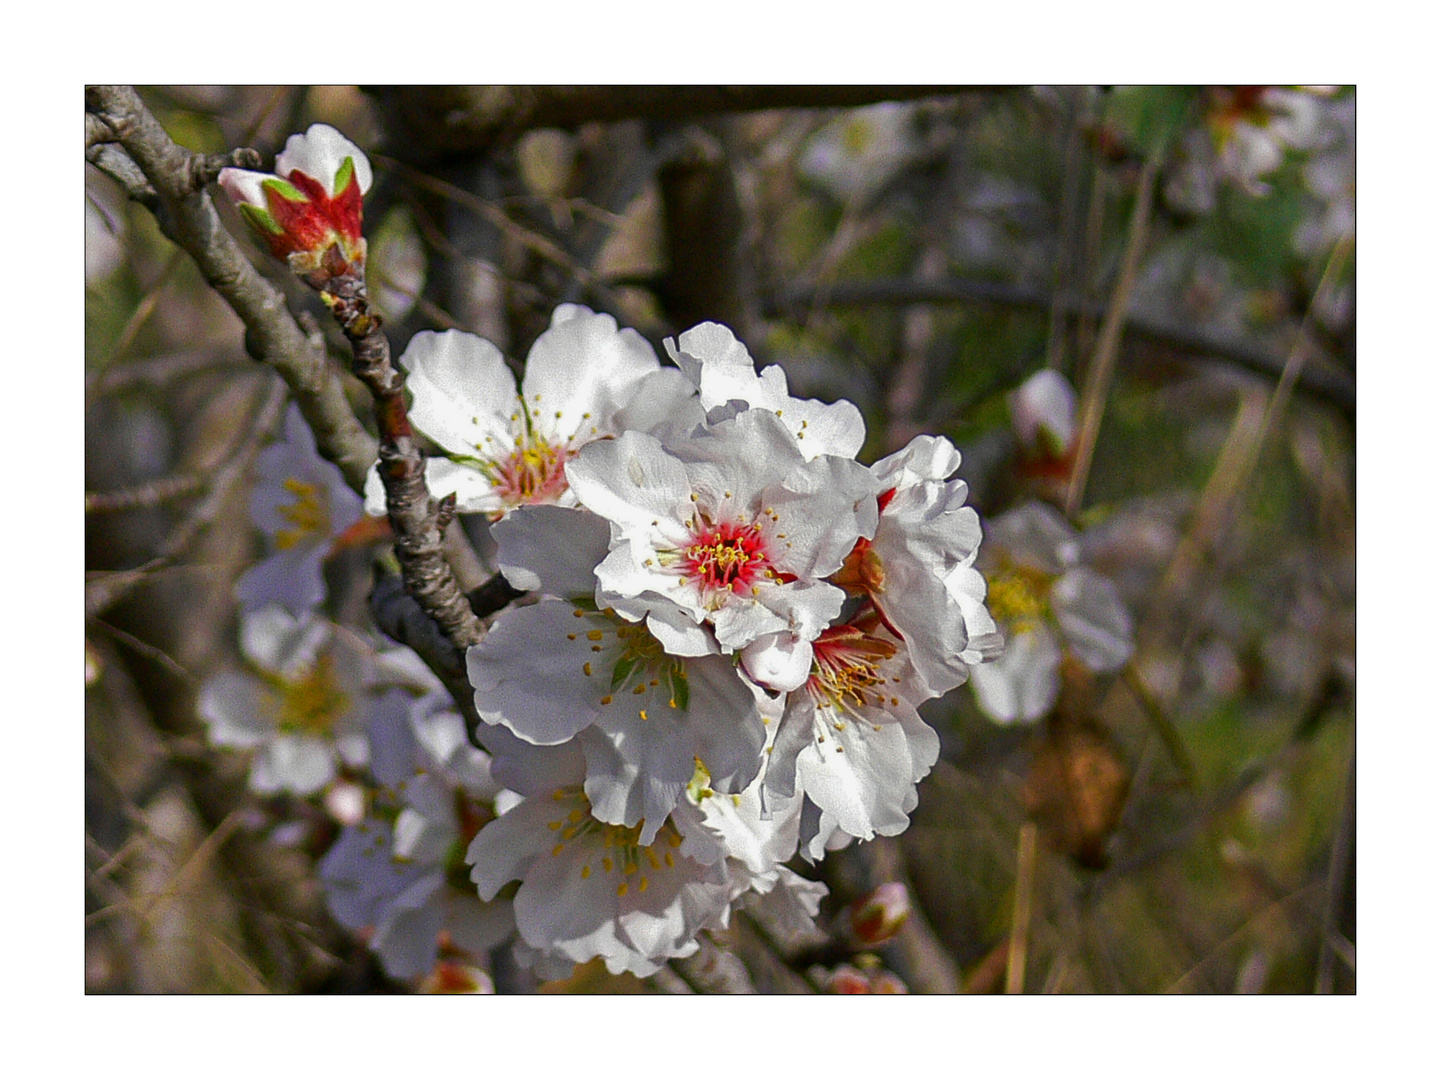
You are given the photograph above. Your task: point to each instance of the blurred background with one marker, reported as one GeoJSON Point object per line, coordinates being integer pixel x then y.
{"type": "Point", "coordinates": [1182, 255]}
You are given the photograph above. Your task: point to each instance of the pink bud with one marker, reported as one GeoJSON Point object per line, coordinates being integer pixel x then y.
{"type": "Point", "coordinates": [877, 916]}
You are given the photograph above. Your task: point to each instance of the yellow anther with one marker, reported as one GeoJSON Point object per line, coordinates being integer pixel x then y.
{"type": "Point", "coordinates": [640, 689]}
{"type": "Point", "coordinates": [622, 888]}
{"type": "Point", "coordinates": [554, 826]}
{"type": "Point", "coordinates": [669, 859]}
{"type": "Point", "coordinates": [595, 635]}
{"type": "Point", "coordinates": [643, 716]}
{"type": "Point", "coordinates": [557, 850]}
{"type": "Point", "coordinates": [595, 648]}
{"type": "Point", "coordinates": [650, 858]}
{"type": "Point", "coordinates": [644, 884]}
{"type": "Point", "coordinates": [673, 840]}
{"type": "Point", "coordinates": [578, 613]}
{"type": "Point", "coordinates": [605, 862]}
{"type": "Point", "coordinates": [569, 637]}
{"type": "Point", "coordinates": [606, 700]}
{"type": "Point", "coordinates": [586, 667]}
{"type": "Point", "coordinates": [585, 871]}
{"type": "Point", "coordinates": [576, 815]}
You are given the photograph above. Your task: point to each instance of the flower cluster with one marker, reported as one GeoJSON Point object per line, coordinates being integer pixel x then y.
{"type": "Point", "coordinates": [736, 623]}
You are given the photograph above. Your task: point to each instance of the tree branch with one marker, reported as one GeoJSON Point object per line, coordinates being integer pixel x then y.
{"type": "Point", "coordinates": [433, 122]}
{"type": "Point", "coordinates": [415, 517]}
{"type": "Point", "coordinates": [1331, 387]}
{"type": "Point", "coordinates": [170, 180]}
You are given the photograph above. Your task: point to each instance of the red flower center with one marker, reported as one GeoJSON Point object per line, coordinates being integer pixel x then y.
{"type": "Point", "coordinates": [726, 557]}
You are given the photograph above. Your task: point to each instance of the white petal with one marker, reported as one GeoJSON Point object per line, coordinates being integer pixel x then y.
{"type": "Point", "coordinates": [581, 370]}
{"type": "Point", "coordinates": [1022, 685]}
{"type": "Point", "coordinates": [243, 186]}
{"type": "Point", "coordinates": [553, 549]}
{"type": "Point", "coordinates": [319, 153]}
{"type": "Point", "coordinates": [464, 392]}
{"type": "Point", "coordinates": [1096, 624]}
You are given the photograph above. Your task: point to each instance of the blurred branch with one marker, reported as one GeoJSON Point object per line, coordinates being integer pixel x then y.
{"type": "Point", "coordinates": [1103, 361]}
{"type": "Point", "coordinates": [704, 276]}
{"type": "Point", "coordinates": [431, 122]}
{"type": "Point", "coordinates": [155, 372]}
{"type": "Point", "coordinates": [151, 493]}
{"type": "Point", "coordinates": [171, 181]}
{"type": "Point", "coordinates": [103, 593]}
{"type": "Point", "coordinates": [1341, 866]}
{"type": "Point", "coordinates": [1331, 387]}
{"type": "Point", "coordinates": [1021, 911]}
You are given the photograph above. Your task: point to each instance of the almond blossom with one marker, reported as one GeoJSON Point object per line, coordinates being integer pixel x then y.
{"type": "Point", "coordinates": [305, 707]}
{"type": "Point", "coordinates": [303, 505]}
{"type": "Point", "coordinates": [506, 448]}
{"type": "Point", "coordinates": [1046, 603]}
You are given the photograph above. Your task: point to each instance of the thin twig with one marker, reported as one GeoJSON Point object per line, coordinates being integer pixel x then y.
{"type": "Point", "coordinates": [150, 493]}
{"type": "Point", "coordinates": [106, 592]}
{"type": "Point", "coordinates": [1159, 719]}
{"type": "Point", "coordinates": [1342, 852]}
{"type": "Point", "coordinates": [1021, 912]}
{"type": "Point", "coordinates": [1103, 361]}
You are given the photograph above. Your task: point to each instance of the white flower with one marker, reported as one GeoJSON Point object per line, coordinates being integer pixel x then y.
{"type": "Point", "coordinates": [1045, 602]}
{"type": "Point", "coordinates": [302, 504]}
{"type": "Point", "coordinates": [377, 879]}
{"type": "Point", "coordinates": [734, 529]}
{"type": "Point", "coordinates": [308, 706]}
{"type": "Point", "coordinates": [858, 153]}
{"type": "Point", "coordinates": [851, 740]}
{"type": "Point", "coordinates": [724, 372]}
{"type": "Point", "coordinates": [917, 570]}
{"type": "Point", "coordinates": [591, 889]}
{"type": "Point", "coordinates": [555, 670]}
{"type": "Point", "coordinates": [401, 871]}
{"type": "Point", "coordinates": [507, 449]}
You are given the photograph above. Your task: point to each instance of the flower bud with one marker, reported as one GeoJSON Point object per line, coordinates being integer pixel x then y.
{"type": "Point", "coordinates": [877, 917]}
{"type": "Point", "coordinates": [450, 977]}
{"type": "Point", "coordinates": [1043, 415]}
{"type": "Point", "coordinates": [309, 211]}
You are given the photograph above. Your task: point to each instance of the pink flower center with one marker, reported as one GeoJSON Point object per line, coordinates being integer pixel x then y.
{"type": "Point", "coordinates": [534, 472]}
{"type": "Point", "coordinates": [847, 667]}
{"type": "Point", "coordinates": [726, 557]}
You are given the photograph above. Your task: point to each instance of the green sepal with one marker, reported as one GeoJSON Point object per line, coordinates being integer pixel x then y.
{"type": "Point", "coordinates": [344, 174]}
{"type": "Point", "coordinates": [260, 219]}
{"type": "Point", "coordinates": [285, 189]}
{"type": "Point", "coordinates": [623, 669]}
